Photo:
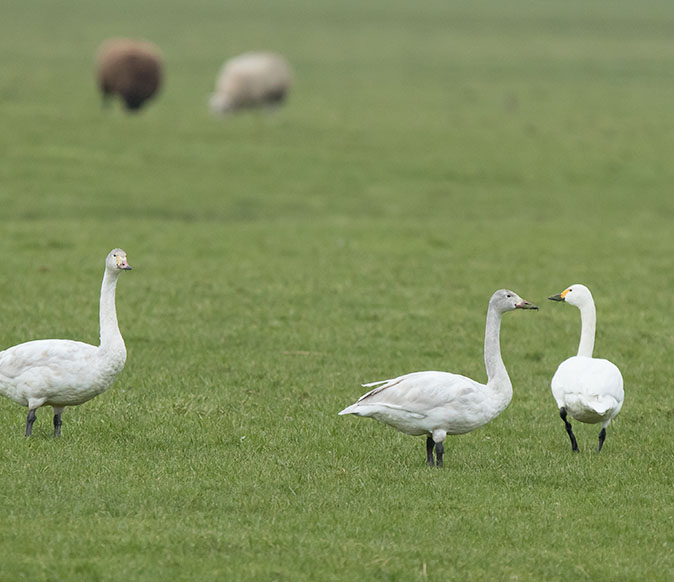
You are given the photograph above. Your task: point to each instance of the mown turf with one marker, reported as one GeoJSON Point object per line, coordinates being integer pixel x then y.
{"type": "Point", "coordinates": [429, 155]}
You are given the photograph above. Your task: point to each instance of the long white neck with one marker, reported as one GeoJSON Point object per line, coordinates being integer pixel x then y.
{"type": "Point", "coordinates": [588, 324]}
{"type": "Point", "coordinates": [111, 338]}
{"type": "Point", "coordinates": [497, 375]}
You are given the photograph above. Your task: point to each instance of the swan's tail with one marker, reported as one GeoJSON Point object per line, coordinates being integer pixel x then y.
{"type": "Point", "coordinates": [353, 409]}
{"type": "Point", "coordinates": [604, 405]}
{"type": "Point", "coordinates": [601, 407]}
{"type": "Point", "coordinates": [358, 407]}
{"type": "Point", "coordinates": [593, 408]}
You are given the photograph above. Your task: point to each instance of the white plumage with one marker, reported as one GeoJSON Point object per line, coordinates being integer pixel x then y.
{"type": "Point", "coordinates": [439, 403]}
{"type": "Point", "coordinates": [250, 80]}
{"type": "Point", "coordinates": [589, 389]}
{"type": "Point", "coordinates": [62, 373]}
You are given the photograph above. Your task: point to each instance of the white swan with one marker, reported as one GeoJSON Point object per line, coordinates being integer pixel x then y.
{"type": "Point", "coordinates": [587, 388]}
{"type": "Point", "coordinates": [62, 373]}
{"type": "Point", "coordinates": [439, 403]}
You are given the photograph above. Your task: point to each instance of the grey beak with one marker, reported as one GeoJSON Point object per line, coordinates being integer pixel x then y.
{"type": "Point", "coordinates": [526, 305]}
{"type": "Point", "coordinates": [557, 297]}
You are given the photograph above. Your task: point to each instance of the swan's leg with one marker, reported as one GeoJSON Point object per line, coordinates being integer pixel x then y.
{"type": "Point", "coordinates": [439, 451]}
{"type": "Point", "coordinates": [567, 424]}
{"type": "Point", "coordinates": [29, 421]}
{"type": "Point", "coordinates": [439, 436]}
{"type": "Point", "coordinates": [602, 438]}
{"type": "Point", "coordinates": [429, 451]}
{"type": "Point", "coordinates": [58, 411]}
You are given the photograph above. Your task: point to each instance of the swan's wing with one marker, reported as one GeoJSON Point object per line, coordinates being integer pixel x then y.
{"type": "Point", "coordinates": [605, 379]}
{"type": "Point", "coordinates": [381, 385]}
{"type": "Point", "coordinates": [40, 354]}
{"type": "Point", "coordinates": [419, 392]}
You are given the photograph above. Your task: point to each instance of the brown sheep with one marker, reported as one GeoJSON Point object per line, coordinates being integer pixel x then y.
{"type": "Point", "coordinates": [129, 68]}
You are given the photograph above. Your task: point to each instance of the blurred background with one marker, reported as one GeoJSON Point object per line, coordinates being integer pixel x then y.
{"type": "Point", "coordinates": [427, 154]}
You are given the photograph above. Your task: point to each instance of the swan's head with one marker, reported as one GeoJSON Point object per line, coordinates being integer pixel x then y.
{"type": "Point", "coordinates": [506, 300]}
{"type": "Point", "coordinates": [116, 261]}
{"type": "Point", "coordinates": [577, 295]}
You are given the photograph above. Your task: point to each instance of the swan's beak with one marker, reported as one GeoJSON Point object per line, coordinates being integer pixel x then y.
{"type": "Point", "coordinates": [557, 297]}
{"type": "Point", "coordinates": [122, 264]}
{"type": "Point", "coordinates": [525, 305]}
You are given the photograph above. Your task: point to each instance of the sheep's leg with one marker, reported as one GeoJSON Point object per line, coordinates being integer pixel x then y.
{"type": "Point", "coordinates": [429, 451]}
{"type": "Point", "coordinates": [602, 438]}
{"type": "Point", "coordinates": [57, 421]}
{"type": "Point", "coordinates": [29, 421]}
{"type": "Point", "coordinates": [439, 451]}
{"type": "Point", "coordinates": [567, 424]}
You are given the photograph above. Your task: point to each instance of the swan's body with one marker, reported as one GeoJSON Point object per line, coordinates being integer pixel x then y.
{"type": "Point", "coordinates": [439, 403]}
{"type": "Point", "coordinates": [589, 389]}
{"type": "Point", "coordinates": [62, 373]}
{"type": "Point", "coordinates": [423, 402]}
{"type": "Point", "coordinates": [56, 372]}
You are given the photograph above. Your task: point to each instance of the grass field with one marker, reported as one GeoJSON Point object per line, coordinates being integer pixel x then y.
{"type": "Point", "coordinates": [429, 155]}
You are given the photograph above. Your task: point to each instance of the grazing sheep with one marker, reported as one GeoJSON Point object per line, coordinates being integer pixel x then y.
{"type": "Point", "coordinates": [251, 80]}
{"type": "Point", "coordinates": [129, 68]}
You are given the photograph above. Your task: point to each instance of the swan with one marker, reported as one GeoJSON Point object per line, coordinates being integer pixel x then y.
{"type": "Point", "coordinates": [439, 403]}
{"type": "Point", "coordinates": [60, 373]}
{"type": "Point", "coordinates": [589, 389]}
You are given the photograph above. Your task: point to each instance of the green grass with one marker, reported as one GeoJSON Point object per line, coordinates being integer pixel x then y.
{"type": "Point", "coordinates": [429, 155]}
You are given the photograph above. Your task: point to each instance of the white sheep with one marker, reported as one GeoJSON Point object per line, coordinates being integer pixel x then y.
{"type": "Point", "coordinates": [254, 79]}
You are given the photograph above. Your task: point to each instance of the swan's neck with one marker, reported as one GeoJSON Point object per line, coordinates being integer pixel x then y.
{"type": "Point", "coordinates": [497, 376]}
{"type": "Point", "coordinates": [588, 324]}
{"type": "Point", "coordinates": [111, 338]}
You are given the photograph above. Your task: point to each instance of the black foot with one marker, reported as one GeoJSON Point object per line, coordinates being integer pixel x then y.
{"type": "Point", "coordinates": [29, 422]}
{"type": "Point", "coordinates": [439, 451]}
{"type": "Point", "coordinates": [57, 425]}
{"type": "Point", "coordinates": [567, 424]}
{"type": "Point", "coordinates": [429, 451]}
{"type": "Point", "coordinates": [602, 438]}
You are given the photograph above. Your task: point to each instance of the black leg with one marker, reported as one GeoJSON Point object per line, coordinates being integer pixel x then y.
{"type": "Point", "coordinates": [57, 424]}
{"type": "Point", "coordinates": [602, 438]}
{"type": "Point", "coordinates": [567, 424]}
{"type": "Point", "coordinates": [29, 422]}
{"type": "Point", "coordinates": [429, 451]}
{"type": "Point", "coordinates": [439, 451]}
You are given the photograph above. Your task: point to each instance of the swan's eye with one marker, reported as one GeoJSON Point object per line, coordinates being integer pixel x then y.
{"type": "Point", "coordinates": [508, 296]}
